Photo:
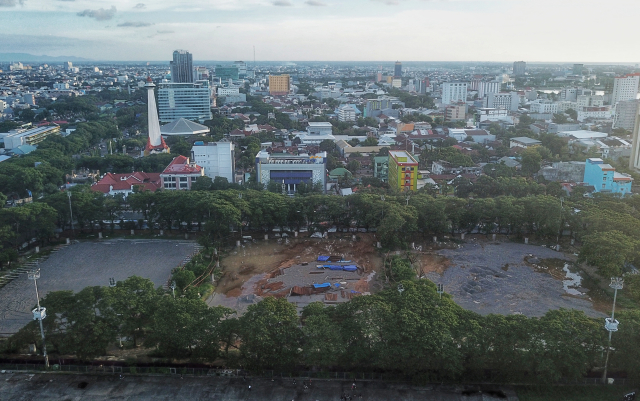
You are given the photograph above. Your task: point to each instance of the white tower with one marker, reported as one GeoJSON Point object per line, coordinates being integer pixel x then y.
{"type": "Point", "coordinates": [155, 143]}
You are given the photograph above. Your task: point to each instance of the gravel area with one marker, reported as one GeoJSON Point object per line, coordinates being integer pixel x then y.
{"type": "Point", "coordinates": [87, 264]}
{"type": "Point", "coordinates": [494, 278]}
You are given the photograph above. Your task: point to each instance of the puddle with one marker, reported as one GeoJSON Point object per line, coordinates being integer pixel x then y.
{"type": "Point", "coordinates": [571, 281]}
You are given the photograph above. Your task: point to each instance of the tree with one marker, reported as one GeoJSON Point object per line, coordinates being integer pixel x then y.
{"type": "Point", "coordinates": [133, 302]}
{"type": "Point", "coordinates": [530, 161]}
{"type": "Point", "coordinates": [560, 118]}
{"type": "Point", "coordinates": [572, 113]}
{"type": "Point", "coordinates": [608, 251]}
{"type": "Point", "coordinates": [270, 335]}
{"type": "Point", "coordinates": [370, 141]}
{"type": "Point", "coordinates": [187, 327]}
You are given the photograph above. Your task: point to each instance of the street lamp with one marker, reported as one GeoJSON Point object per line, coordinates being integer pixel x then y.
{"type": "Point", "coordinates": [39, 313]}
{"type": "Point", "coordinates": [173, 289]}
{"type": "Point", "coordinates": [71, 213]}
{"type": "Point", "coordinates": [610, 323]}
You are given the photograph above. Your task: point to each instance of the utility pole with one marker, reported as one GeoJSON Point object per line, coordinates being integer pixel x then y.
{"type": "Point", "coordinates": [39, 313]}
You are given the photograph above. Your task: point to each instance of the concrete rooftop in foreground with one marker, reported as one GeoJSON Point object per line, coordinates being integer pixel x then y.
{"type": "Point", "coordinates": [51, 386]}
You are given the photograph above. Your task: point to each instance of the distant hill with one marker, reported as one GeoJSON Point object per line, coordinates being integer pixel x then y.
{"type": "Point", "coordinates": [31, 58]}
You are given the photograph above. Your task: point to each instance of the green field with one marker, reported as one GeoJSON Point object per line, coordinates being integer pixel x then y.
{"type": "Point", "coordinates": [572, 393]}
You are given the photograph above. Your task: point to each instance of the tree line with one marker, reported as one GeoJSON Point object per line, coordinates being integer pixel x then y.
{"type": "Point", "coordinates": [397, 219]}
{"type": "Point", "coordinates": [413, 333]}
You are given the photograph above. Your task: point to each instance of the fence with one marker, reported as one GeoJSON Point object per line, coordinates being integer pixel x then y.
{"type": "Point", "coordinates": [301, 375]}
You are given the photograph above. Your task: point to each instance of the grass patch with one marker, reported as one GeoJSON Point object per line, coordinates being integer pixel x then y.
{"type": "Point", "coordinates": [571, 393]}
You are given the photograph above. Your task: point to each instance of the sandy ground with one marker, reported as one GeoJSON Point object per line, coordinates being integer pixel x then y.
{"type": "Point", "coordinates": [270, 268]}
{"type": "Point", "coordinates": [510, 278]}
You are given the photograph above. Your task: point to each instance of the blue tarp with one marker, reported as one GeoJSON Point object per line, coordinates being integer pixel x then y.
{"type": "Point", "coordinates": [334, 267]}
{"type": "Point", "coordinates": [323, 285]}
{"type": "Point", "coordinates": [323, 258]}
{"type": "Point", "coordinates": [320, 266]}
{"type": "Point", "coordinates": [350, 268]}
{"type": "Point", "coordinates": [337, 285]}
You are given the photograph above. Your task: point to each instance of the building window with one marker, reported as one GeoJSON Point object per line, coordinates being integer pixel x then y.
{"type": "Point", "coordinates": [604, 178]}
{"type": "Point", "coordinates": [183, 179]}
{"type": "Point", "coordinates": [603, 185]}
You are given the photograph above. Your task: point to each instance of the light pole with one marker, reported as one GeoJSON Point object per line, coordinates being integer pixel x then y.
{"type": "Point", "coordinates": [407, 198]}
{"type": "Point", "coordinates": [240, 197]}
{"type": "Point", "coordinates": [112, 284]}
{"type": "Point", "coordinates": [382, 199]}
{"type": "Point", "coordinates": [173, 289]}
{"type": "Point", "coordinates": [610, 323]}
{"type": "Point", "coordinates": [39, 313]}
{"type": "Point", "coordinates": [71, 212]}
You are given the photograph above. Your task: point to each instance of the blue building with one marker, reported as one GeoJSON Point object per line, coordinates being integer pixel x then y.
{"type": "Point", "coordinates": [604, 177]}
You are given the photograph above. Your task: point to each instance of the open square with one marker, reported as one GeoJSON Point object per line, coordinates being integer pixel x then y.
{"type": "Point", "coordinates": [88, 264]}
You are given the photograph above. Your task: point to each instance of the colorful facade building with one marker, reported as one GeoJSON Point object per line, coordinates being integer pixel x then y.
{"type": "Point", "coordinates": [604, 177]}
{"type": "Point", "coordinates": [403, 171]}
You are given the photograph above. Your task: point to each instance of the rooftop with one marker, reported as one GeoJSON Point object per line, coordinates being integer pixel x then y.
{"type": "Point", "coordinates": [183, 127]}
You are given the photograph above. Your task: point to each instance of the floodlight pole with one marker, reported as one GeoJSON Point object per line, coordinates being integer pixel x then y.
{"type": "Point", "coordinates": [240, 197]}
{"type": "Point", "coordinates": [35, 275]}
{"type": "Point", "coordinates": [71, 212]}
{"type": "Point", "coordinates": [611, 324]}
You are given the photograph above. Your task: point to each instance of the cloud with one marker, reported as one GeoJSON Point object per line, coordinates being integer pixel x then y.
{"type": "Point", "coordinates": [282, 3]}
{"type": "Point", "coordinates": [165, 32]}
{"type": "Point", "coordinates": [140, 6]}
{"type": "Point", "coordinates": [100, 14]}
{"type": "Point", "coordinates": [134, 24]}
{"type": "Point", "coordinates": [10, 3]}
{"type": "Point", "coordinates": [315, 3]}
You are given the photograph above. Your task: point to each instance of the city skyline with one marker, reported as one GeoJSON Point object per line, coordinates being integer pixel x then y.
{"type": "Point", "coordinates": [131, 30]}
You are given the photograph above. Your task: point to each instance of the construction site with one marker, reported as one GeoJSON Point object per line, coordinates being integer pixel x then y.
{"type": "Point", "coordinates": [304, 270]}
{"type": "Point", "coordinates": [482, 275]}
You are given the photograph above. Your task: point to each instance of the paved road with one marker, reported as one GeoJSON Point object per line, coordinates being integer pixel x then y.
{"type": "Point", "coordinates": [89, 264]}
{"type": "Point", "coordinates": [19, 387]}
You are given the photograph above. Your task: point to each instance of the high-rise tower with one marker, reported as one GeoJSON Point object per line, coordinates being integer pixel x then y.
{"type": "Point", "coordinates": [182, 67]}
{"type": "Point", "coordinates": [397, 71]}
{"type": "Point", "coordinates": [155, 142]}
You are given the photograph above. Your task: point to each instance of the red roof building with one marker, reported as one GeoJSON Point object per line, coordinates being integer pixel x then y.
{"type": "Point", "coordinates": [181, 174]}
{"type": "Point", "coordinates": [113, 184]}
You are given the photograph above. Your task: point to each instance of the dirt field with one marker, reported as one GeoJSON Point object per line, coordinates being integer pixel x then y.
{"type": "Point", "coordinates": [275, 267]}
{"type": "Point", "coordinates": [512, 278]}
{"type": "Point", "coordinates": [481, 275]}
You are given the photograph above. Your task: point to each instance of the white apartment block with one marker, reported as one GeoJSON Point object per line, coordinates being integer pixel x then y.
{"type": "Point", "coordinates": [61, 86]}
{"type": "Point", "coordinates": [625, 88]}
{"type": "Point", "coordinates": [626, 113]}
{"type": "Point", "coordinates": [217, 158]}
{"type": "Point", "coordinates": [485, 88]}
{"type": "Point", "coordinates": [228, 91]}
{"type": "Point", "coordinates": [543, 106]}
{"type": "Point", "coordinates": [453, 92]}
{"type": "Point", "coordinates": [590, 101]}
{"type": "Point", "coordinates": [566, 105]}
{"type": "Point", "coordinates": [507, 101]}
{"type": "Point", "coordinates": [599, 113]}
{"type": "Point", "coordinates": [346, 113]}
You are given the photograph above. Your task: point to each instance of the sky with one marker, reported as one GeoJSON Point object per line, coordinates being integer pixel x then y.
{"type": "Point", "coordinates": [325, 30]}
